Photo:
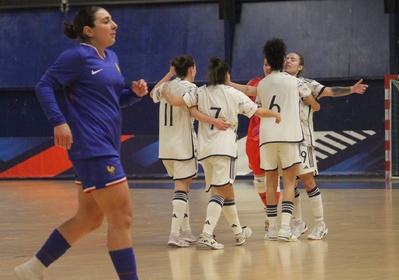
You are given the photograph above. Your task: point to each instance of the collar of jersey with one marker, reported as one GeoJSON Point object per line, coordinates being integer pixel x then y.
{"type": "Point", "coordinates": [84, 44]}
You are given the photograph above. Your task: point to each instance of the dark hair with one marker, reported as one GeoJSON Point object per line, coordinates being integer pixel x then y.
{"type": "Point", "coordinates": [301, 62]}
{"type": "Point", "coordinates": [182, 64]}
{"type": "Point", "coordinates": [274, 51]}
{"type": "Point", "coordinates": [217, 71]}
{"type": "Point", "coordinates": [84, 17]}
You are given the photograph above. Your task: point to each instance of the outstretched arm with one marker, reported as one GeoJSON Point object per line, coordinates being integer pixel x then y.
{"type": "Point", "coordinates": [219, 123]}
{"type": "Point", "coordinates": [358, 88]}
{"type": "Point", "coordinates": [248, 90]}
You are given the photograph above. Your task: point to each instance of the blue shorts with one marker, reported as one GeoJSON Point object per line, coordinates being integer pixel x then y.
{"type": "Point", "coordinates": [98, 173]}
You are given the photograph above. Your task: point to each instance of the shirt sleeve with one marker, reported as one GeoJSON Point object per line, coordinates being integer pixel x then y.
{"type": "Point", "coordinates": [156, 96]}
{"type": "Point", "coordinates": [246, 106]}
{"type": "Point", "coordinates": [304, 90]}
{"type": "Point", "coordinates": [315, 87]}
{"type": "Point", "coordinates": [128, 98]}
{"type": "Point", "coordinates": [64, 71]}
{"type": "Point", "coordinates": [46, 96]}
{"type": "Point", "coordinates": [191, 97]}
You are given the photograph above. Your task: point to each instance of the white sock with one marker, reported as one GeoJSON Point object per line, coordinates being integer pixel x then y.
{"type": "Point", "coordinates": [297, 213]}
{"type": "Point", "coordinates": [317, 208]}
{"type": "Point", "coordinates": [179, 208]}
{"type": "Point", "coordinates": [36, 266]}
{"type": "Point", "coordinates": [231, 214]}
{"type": "Point", "coordinates": [186, 220]}
{"type": "Point", "coordinates": [213, 212]}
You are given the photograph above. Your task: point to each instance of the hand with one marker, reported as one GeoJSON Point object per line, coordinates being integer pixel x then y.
{"type": "Point", "coordinates": [359, 87]}
{"type": "Point", "coordinates": [140, 88]}
{"type": "Point", "coordinates": [221, 124]}
{"type": "Point", "coordinates": [164, 90]}
{"type": "Point", "coordinates": [63, 136]}
{"type": "Point", "coordinates": [172, 71]}
{"type": "Point", "coordinates": [278, 117]}
{"type": "Point", "coordinates": [228, 80]}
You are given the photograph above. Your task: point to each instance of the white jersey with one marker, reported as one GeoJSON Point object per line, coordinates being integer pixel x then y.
{"type": "Point", "coordinates": [306, 111]}
{"type": "Point", "coordinates": [219, 101]}
{"type": "Point", "coordinates": [281, 92]}
{"type": "Point", "coordinates": [177, 138]}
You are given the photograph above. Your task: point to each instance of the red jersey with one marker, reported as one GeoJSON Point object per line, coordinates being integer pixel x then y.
{"type": "Point", "coordinates": [254, 121]}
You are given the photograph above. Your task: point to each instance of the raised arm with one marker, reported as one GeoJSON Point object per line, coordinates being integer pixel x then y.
{"type": "Point", "coordinates": [166, 78]}
{"type": "Point", "coordinates": [248, 90]}
{"type": "Point", "coordinates": [358, 88]}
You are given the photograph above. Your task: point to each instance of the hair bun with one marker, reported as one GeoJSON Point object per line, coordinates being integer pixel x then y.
{"type": "Point", "coordinates": [69, 31]}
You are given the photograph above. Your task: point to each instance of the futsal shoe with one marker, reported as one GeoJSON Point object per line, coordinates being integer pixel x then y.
{"type": "Point", "coordinates": [243, 235]}
{"type": "Point", "coordinates": [272, 234]}
{"type": "Point", "coordinates": [209, 241]}
{"type": "Point", "coordinates": [187, 236]}
{"type": "Point", "coordinates": [318, 232]}
{"type": "Point", "coordinates": [175, 240]}
{"type": "Point", "coordinates": [285, 234]}
{"type": "Point", "coordinates": [23, 272]}
{"type": "Point", "coordinates": [298, 228]}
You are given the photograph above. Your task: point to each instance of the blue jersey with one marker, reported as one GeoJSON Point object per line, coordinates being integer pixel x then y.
{"type": "Point", "coordinates": [94, 88]}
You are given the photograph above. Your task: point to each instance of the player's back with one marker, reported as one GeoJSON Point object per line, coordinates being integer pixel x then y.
{"type": "Point", "coordinates": [279, 92]}
{"type": "Point", "coordinates": [177, 139]}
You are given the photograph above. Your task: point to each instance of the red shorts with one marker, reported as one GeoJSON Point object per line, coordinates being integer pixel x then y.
{"type": "Point", "coordinates": [253, 153]}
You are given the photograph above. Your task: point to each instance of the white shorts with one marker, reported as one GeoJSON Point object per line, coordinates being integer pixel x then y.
{"type": "Point", "coordinates": [275, 155]}
{"type": "Point", "coordinates": [181, 169]}
{"type": "Point", "coordinates": [219, 171]}
{"type": "Point", "coordinates": [308, 156]}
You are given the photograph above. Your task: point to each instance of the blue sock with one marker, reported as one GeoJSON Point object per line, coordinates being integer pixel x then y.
{"type": "Point", "coordinates": [55, 247]}
{"type": "Point", "coordinates": [124, 263]}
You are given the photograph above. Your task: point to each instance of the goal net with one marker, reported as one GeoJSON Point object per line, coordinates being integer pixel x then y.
{"type": "Point", "coordinates": [392, 127]}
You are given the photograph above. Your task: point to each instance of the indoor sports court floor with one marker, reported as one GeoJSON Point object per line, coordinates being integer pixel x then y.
{"type": "Point", "coordinates": [362, 243]}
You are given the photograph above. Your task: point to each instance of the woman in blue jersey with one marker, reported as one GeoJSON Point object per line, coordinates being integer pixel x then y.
{"type": "Point", "coordinates": [94, 86]}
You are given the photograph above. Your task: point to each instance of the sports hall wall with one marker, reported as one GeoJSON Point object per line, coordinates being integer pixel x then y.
{"type": "Point", "coordinates": [342, 41]}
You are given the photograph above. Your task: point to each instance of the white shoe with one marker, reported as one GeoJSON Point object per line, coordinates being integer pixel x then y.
{"type": "Point", "coordinates": [285, 234]}
{"type": "Point", "coordinates": [298, 228]}
{"type": "Point", "coordinates": [209, 241]}
{"type": "Point", "coordinates": [318, 232]}
{"type": "Point", "coordinates": [266, 224]}
{"type": "Point", "coordinates": [23, 272]}
{"type": "Point", "coordinates": [188, 236]}
{"type": "Point", "coordinates": [243, 235]}
{"type": "Point", "coordinates": [175, 240]}
{"type": "Point", "coordinates": [272, 234]}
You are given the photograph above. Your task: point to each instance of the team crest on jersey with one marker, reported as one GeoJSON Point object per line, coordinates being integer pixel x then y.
{"type": "Point", "coordinates": [111, 170]}
{"type": "Point", "coordinates": [117, 67]}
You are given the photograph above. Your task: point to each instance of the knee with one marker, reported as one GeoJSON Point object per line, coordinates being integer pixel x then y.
{"type": "Point", "coordinates": [96, 222]}
{"type": "Point", "coordinates": [121, 218]}
{"type": "Point", "coordinates": [308, 182]}
{"type": "Point", "coordinates": [90, 221]}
